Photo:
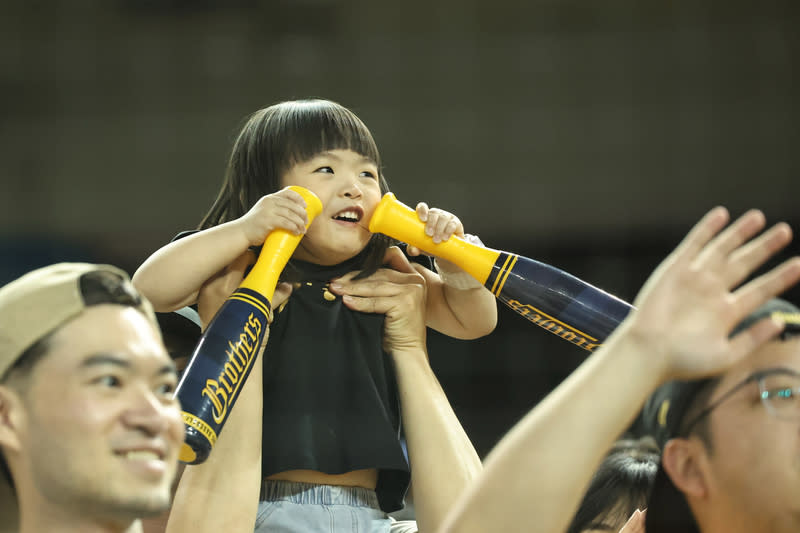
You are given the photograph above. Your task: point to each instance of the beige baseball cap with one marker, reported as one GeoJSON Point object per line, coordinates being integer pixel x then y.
{"type": "Point", "coordinates": [42, 300]}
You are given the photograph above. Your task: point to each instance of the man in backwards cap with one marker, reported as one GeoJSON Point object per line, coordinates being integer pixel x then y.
{"type": "Point", "coordinates": [731, 444]}
{"type": "Point", "coordinates": [89, 428]}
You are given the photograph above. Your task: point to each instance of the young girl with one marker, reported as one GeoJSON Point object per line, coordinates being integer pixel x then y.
{"type": "Point", "coordinates": [331, 412]}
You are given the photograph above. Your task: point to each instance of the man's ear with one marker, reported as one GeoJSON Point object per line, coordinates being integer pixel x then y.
{"type": "Point", "coordinates": [684, 462]}
{"type": "Point", "coordinates": [10, 417]}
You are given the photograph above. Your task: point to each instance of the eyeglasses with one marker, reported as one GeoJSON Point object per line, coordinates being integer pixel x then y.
{"type": "Point", "coordinates": [779, 391]}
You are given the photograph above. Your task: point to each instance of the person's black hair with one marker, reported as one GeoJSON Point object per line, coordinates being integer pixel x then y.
{"type": "Point", "coordinates": [702, 427]}
{"type": "Point", "coordinates": [619, 486]}
{"type": "Point", "coordinates": [280, 136]}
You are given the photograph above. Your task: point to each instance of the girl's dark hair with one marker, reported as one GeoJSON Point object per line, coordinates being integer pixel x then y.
{"type": "Point", "coordinates": [278, 137]}
{"type": "Point", "coordinates": [620, 485]}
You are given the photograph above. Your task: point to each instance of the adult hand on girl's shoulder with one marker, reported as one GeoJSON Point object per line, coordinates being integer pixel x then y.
{"type": "Point", "coordinates": [398, 291]}
{"type": "Point", "coordinates": [285, 209]}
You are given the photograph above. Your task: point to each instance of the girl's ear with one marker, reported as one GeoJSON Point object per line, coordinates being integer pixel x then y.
{"type": "Point", "coordinates": [684, 461]}
{"type": "Point", "coordinates": [11, 415]}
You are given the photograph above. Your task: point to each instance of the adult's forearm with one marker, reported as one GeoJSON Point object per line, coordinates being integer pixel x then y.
{"type": "Point", "coordinates": [533, 480]}
{"type": "Point", "coordinates": [443, 461]}
{"type": "Point", "coordinates": [222, 493]}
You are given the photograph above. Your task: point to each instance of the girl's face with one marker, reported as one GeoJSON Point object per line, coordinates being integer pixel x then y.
{"type": "Point", "coordinates": [347, 184]}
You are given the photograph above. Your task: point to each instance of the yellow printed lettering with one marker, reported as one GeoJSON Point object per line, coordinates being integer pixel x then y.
{"type": "Point", "coordinates": [219, 399]}
{"type": "Point", "coordinates": [552, 325]}
{"type": "Point", "coordinates": [241, 354]}
{"type": "Point", "coordinates": [234, 355]}
{"type": "Point", "coordinates": [222, 379]}
{"type": "Point", "coordinates": [231, 372]}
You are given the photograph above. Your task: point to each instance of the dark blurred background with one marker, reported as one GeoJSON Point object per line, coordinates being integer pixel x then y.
{"type": "Point", "coordinates": [589, 135]}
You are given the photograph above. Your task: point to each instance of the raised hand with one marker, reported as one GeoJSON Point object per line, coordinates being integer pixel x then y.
{"type": "Point", "coordinates": [690, 304]}
{"type": "Point", "coordinates": [285, 209]}
{"type": "Point", "coordinates": [439, 224]}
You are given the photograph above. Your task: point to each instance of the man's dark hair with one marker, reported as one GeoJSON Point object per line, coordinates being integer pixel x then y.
{"type": "Point", "coordinates": [701, 427]}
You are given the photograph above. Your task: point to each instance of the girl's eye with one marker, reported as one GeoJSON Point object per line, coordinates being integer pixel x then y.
{"type": "Point", "coordinates": [368, 174]}
{"type": "Point", "coordinates": [327, 170]}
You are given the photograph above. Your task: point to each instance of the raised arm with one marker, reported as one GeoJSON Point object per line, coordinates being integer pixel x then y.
{"type": "Point", "coordinates": [172, 277]}
{"type": "Point", "coordinates": [222, 493]}
{"type": "Point", "coordinates": [534, 478]}
{"type": "Point", "coordinates": [443, 460]}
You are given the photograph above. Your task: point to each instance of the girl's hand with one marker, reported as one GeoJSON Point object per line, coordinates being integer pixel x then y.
{"type": "Point", "coordinates": [439, 224]}
{"type": "Point", "coordinates": [285, 209]}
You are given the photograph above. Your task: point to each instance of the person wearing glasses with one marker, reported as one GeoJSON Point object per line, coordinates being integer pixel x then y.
{"type": "Point", "coordinates": [731, 459]}
{"type": "Point", "coordinates": [731, 445]}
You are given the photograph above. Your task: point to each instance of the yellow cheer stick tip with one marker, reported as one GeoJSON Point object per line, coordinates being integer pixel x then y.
{"type": "Point", "coordinates": [313, 203]}
{"type": "Point", "coordinates": [397, 220]}
{"type": "Point", "coordinates": [278, 249]}
{"type": "Point", "coordinates": [224, 355]}
{"type": "Point", "coordinates": [545, 295]}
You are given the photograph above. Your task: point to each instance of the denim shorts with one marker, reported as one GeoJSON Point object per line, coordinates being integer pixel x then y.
{"type": "Point", "coordinates": [290, 507]}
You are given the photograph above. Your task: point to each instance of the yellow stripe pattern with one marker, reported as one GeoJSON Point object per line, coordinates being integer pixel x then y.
{"type": "Point", "coordinates": [500, 274]}
{"type": "Point", "coordinates": [244, 297]}
{"type": "Point", "coordinates": [504, 272]}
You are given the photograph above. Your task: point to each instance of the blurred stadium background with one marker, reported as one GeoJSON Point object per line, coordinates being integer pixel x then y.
{"type": "Point", "coordinates": [589, 135]}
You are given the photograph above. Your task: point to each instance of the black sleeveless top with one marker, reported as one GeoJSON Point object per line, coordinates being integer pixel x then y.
{"type": "Point", "coordinates": [330, 395]}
